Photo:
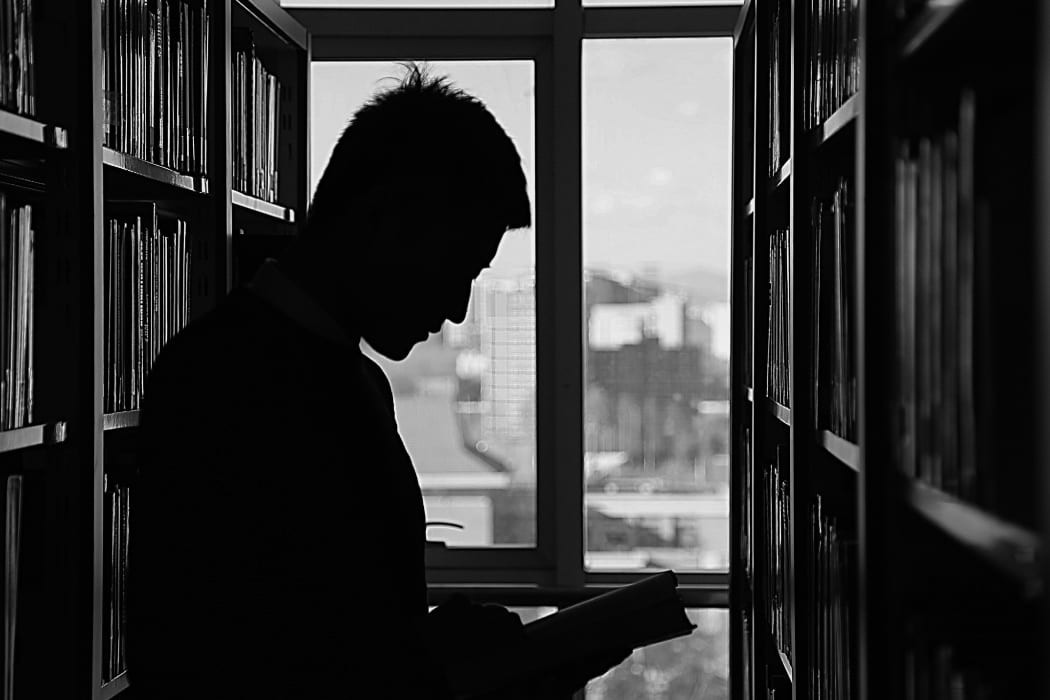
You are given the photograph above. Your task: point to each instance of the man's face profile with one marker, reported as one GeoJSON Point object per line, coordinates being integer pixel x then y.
{"type": "Point", "coordinates": [421, 280]}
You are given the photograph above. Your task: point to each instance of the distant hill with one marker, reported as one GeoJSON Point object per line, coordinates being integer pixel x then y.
{"type": "Point", "coordinates": [700, 284]}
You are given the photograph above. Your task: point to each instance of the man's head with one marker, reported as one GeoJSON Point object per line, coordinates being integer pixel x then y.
{"type": "Point", "coordinates": [416, 197]}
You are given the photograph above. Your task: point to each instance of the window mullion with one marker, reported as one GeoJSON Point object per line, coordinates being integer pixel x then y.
{"type": "Point", "coordinates": [563, 255]}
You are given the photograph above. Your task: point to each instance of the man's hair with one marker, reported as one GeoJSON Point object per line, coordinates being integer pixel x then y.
{"type": "Point", "coordinates": [427, 132]}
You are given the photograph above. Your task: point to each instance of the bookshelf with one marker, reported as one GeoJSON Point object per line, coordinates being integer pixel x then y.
{"type": "Point", "coordinates": [893, 399]}
{"type": "Point", "coordinates": [113, 168]}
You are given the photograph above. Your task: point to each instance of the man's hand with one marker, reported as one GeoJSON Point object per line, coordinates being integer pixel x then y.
{"type": "Point", "coordinates": [460, 631]}
{"type": "Point", "coordinates": [459, 627]}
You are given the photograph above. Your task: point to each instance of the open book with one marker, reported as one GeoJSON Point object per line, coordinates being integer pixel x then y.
{"type": "Point", "coordinates": [629, 617]}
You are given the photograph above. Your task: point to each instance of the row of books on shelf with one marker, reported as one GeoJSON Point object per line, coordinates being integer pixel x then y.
{"type": "Point", "coordinates": [832, 57]}
{"type": "Point", "coordinates": [778, 366]}
{"type": "Point", "coordinates": [777, 521]}
{"type": "Point", "coordinates": [12, 543]}
{"type": "Point", "coordinates": [116, 505]}
{"type": "Point", "coordinates": [155, 54]}
{"type": "Point", "coordinates": [832, 608]}
{"type": "Point", "coordinates": [16, 313]}
{"type": "Point", "coordinates": [779, 106]}
{"type": "Point", "coordinates": [147, 296]}
{"type": "Point", "coordinates": [937, 221]}
{"type": "Point", "coordinates": [17, 71]}
{"type": "Point", "coordinates": [943, 671]}
{"type": "Point", "coordinates": [256, 120]}
{"type": "Point", "coordinates": [834, 359]}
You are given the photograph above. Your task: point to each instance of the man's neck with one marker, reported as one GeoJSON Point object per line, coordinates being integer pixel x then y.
{"type": "Point", "coordinates": [312, 273]}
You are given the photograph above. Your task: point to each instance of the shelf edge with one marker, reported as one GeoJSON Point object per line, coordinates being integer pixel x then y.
{"type": "Point", "coordinates": [1014, 550]}
{"type": "Point", "coordinates": [779, 411]}
{"type": "Point", "coordinates": [152, 171]}
{"type": "Point", "coordinates": [120, 419]}
{"type": "Point", "coordinates": [845, 115]}
{"type": "Point", "coordinates": [260, 206]}
{"type": "Point", "coordinates": [111, 689]}
{"type": "Point", "coordinates": [32, 436]}
{"type": "Point", "coordinates": [841, 449]}
{"type": "Point", "coordinates": [926, 24]}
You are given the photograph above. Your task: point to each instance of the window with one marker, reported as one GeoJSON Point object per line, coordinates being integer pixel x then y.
{"type": "Point", "coordinates": [533, 420]}
{"type": "Point", "coordinates": [656, 232]}
{"type": "Point", "coordinates": [696, 666]}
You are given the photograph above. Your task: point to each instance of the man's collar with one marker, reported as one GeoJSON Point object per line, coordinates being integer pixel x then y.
{"type": "Point", "coordinates": [275, 287]}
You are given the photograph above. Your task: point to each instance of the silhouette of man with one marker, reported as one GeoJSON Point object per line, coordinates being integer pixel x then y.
{"type": "Point", "coordinates": [278, 546]}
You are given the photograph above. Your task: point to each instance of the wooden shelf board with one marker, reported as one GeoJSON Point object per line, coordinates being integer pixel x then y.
{"type": "Point", "coordinates": [32, 130]}
{"type": "Point", "coordinates": [152, 171]}
{"type": "Point", "coordinates": [836, 123]}
{"type": "Point", "coordinates": [841, 449]}
{"type": "Point", "coordinates": [115, 686]}
{"type": "Point", "coordinates": [927, 23]}
{"type": "Point", "coordinates": [120, 419]}
{"type": "Point", "coordinates": [263, 207]}
{"type": "Point", "coordinates": [32, 436]}
{"type": "Point", "coordinates": [782, 176]}
{"type": "Point", "coordinates": [1014, 550]}
{"type": "Point", "coordinates": [780, 412]}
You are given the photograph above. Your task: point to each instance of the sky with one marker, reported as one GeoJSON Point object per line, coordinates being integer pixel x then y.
{"type": "Point", "coordinates": [656, 142]}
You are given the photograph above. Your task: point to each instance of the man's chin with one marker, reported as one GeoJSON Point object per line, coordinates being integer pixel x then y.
{"type": "Point", "coordinates": [395, 349]}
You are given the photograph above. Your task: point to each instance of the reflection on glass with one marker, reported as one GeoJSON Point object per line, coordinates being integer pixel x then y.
{"type": "Point", "coordinates": [694, 667]}
{"type": "Point", "coordinates": [464, 398]}
{"type": "Point", "coordinates": [656, 145]}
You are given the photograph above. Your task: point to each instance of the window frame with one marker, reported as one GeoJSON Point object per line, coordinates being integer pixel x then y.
{"type": "Point", "coordinates": [553, 571]}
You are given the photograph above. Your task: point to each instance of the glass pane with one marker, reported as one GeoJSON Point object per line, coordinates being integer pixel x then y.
{"type": "Point", "coordinates": [419, 4]}
{"type": "Point", "coordinates": [694, 667]}
{"type": "Point", "coordinates": [464, 398]}
{"type": "Point", "coordinates": [656, 228]}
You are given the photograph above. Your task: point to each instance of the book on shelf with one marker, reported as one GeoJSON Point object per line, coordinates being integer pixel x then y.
{"type": "Point", "coordinates": [155, 57]}
{"type": "Point", "coordinates": [17, 264]}
{"type": "Point", "coordinates": [936, 229]}
{"type": "Point", "coordinates": [12, 529]}
{"type": "Point", "coordinates": [256, 120]}
{"type": "Point", "coordinates": [832, 608]}
{"type": "Point", "coordinates": [629, 617]}
{"type": "Point", "coordinates": [778, 368]}
{"type": "Point", "coordinates": [116, 505]}
{"type": "Point", "coordinates": [17, 39]}
{"type": "Point", "coordinates": [777, 574]}
{"type": "Point", "coordinates": [834, 364]}
{"type": "Point", "coordinates": [146, 295]}
{"type": "Point", "coordinates": [832, 57]}
{"type": "Point", "coordinates": [746, 660]}
{"type": "Point", "coordinates": [778, 80]}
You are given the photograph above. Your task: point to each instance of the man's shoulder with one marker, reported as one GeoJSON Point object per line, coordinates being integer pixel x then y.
{"type": "Point", "coordinates": [221, 341]}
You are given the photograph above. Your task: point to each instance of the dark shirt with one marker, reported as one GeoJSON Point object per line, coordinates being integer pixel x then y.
{"type": "Point", "coordinates": [277, 525]}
